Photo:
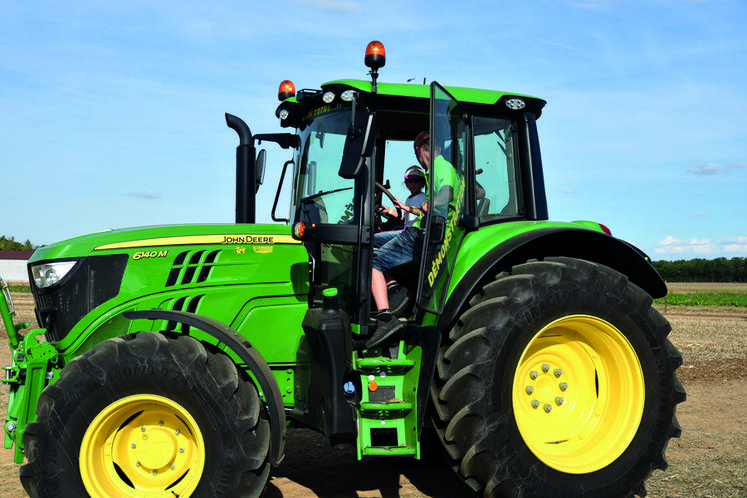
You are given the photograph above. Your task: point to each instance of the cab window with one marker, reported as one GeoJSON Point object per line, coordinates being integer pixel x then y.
{"type": "Point", "coordinates": [496, 167]}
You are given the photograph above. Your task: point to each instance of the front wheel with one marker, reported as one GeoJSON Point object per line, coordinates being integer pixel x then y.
{"type": "Point", "coordinates": [558, 381]}
{"type": "Point", "coordinates": [148, 416]}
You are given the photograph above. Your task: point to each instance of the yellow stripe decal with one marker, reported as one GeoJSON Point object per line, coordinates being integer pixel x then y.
{"type": "Point", "coordinates": [187, 240]}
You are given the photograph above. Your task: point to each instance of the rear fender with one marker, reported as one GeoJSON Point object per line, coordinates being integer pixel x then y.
{"type": "Point", "coordinates": [248, 355]}
{"type": "Point", "coordinates": [541, 243]}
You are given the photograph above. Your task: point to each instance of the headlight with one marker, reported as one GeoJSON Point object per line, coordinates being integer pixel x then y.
{"type": "Point", "coordinates": [47, 274]}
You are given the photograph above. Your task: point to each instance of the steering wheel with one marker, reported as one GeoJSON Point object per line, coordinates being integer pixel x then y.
{"type": "Point", "coordinates": [385, 223]}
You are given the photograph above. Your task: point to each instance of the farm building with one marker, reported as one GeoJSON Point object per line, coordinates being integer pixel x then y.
{"type": "Point", "coordinates": [13, 265]}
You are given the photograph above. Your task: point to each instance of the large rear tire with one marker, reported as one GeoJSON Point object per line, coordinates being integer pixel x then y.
{"type": "Point", "coordinates": [152, 416]}
{"type": "Point", "coordinates": [558, 380]}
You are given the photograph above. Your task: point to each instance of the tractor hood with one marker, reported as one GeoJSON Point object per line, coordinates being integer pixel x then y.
{"type": "Point", "coordinates": [146, 239]}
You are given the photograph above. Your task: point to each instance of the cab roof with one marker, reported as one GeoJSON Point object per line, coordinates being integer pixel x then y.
{"type": "Point", "coordinates": [410, 97]}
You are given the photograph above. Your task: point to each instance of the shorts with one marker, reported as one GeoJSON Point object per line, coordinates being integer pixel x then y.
{"type": "Point", "coordinates": [381, 238]}
{"type": "Point", "coordinates": [402, 249]}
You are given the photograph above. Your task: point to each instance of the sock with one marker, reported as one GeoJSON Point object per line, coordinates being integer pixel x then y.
{"type": "Point", "coordinates": [385, 315]}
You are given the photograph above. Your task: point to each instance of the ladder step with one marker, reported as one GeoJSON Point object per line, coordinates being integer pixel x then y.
{"type": "Point", "coordinates": [368, 409]}
{"type": "Point", "coordinates": [392, 367]}
{"type": "Point", "coordinates": [389, 450]}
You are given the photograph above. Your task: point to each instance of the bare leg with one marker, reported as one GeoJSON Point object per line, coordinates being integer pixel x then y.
{"type": "Point", "coordinates": [378, 289]}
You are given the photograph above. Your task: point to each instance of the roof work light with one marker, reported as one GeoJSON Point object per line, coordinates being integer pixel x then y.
{"type": "Point", "coordinates": [287, 89]}
{"type": "Point", "coordinates": [375, 58]}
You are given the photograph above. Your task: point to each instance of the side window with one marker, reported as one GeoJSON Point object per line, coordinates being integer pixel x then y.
{"type": "Point", "coordinates": [496, 165]}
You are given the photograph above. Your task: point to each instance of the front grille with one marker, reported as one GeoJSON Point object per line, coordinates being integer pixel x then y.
{"type": "Point", "coordinates": [95, 281]}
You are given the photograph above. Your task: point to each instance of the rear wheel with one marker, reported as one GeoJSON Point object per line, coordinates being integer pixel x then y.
{"type": "Point", "coordinates": [558, 381]}
{"type": "Point", "coordinates": [150, 416]}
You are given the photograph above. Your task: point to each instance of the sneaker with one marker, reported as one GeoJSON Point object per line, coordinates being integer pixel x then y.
{"type": "Point", "coordinates": [399, 300]}
{"type": "Point", "coordinates": [385, 331]}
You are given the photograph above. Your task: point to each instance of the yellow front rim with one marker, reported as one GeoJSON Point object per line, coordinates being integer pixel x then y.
{"type": "Point", "coordinates": [145, 446]}
{"type": "Point", "coordinates": [578, 394]}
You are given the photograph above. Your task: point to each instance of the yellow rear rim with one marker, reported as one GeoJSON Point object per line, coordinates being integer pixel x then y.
{"type": "Point", "coordinates": [578, 394]}
{"type": "Point", "coordinates": [145, 446]}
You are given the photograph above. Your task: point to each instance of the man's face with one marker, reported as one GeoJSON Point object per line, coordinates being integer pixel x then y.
{"type": "Point", "coordinates": [424, 157]}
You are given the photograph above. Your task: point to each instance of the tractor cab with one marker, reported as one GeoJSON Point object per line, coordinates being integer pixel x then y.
{"type": "Point", "coordinates": [355, 140]}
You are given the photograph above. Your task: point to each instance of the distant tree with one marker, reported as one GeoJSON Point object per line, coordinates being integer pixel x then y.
{"type": "Point", "coordinates": [703, 270]}
{"type": "Point", "coordinates": [10, 244]}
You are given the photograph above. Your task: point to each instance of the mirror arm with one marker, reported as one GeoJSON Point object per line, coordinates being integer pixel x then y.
{"type": "Point", "coordinates": [284, 140]}
{"type": "Point", "coordinates": [277, 193]}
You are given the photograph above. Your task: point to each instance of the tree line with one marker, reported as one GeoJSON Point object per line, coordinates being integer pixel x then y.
{"type": "Point", "coordinates": [11, 244]}
{"type": "Point", "coordinates": [703, 270]}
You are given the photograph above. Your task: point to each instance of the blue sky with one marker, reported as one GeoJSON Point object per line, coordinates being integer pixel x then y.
{"type": "Point", "coordinates": [111, 113]}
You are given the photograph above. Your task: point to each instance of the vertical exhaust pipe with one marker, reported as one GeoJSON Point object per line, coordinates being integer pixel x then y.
{"type": "Point", "coordinates": [245, 170]}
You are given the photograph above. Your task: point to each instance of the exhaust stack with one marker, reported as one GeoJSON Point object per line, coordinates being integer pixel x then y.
{"type": "Point", "coordinates": [245, 170]}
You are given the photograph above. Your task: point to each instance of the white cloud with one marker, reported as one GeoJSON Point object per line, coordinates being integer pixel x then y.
{"type": "Point", "coordinates": [702, 247]}
{"type": "Point", "coordinates": [714, 169]}
{"type": "Point", "coordinates": [673, 245]}
{"type": "Point", "coordinates": [707, 169]}
{"type": "Point", "coordinates": [735, 244]}
{"type": "Point", "coordinates": [332, 5]}
{"type": "Point", "coordinates": [145, 194]}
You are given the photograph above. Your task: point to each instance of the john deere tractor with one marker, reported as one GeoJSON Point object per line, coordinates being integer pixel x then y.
{"type": "Point", "coordinates": [171, 360]}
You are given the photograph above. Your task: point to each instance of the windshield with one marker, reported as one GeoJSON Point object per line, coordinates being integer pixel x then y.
{"type": "Point", "coordinates": [321, 195]}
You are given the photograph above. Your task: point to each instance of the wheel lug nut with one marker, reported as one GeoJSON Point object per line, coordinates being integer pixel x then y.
{"type": "Point", "coordinates": [172, 466]}
{"type": "Point", "coordinates": [545, 368]}
{"type": "Point", "coordinates": [181, 450]}
{"type": "Point", "coordinates": [529, 389]}
{"type": "Point", "coordinates": [535, 403]}
{"type": "Point", "coordinates": [142, 429]}
{"type": "Point", "coordinates": [548, 408]}
{"type": "Point", "coordinates": [533, 374]}
{"type": "Point", "coordinates": [133, 445]}
{"type": "Point", "coordinates": [137, 464]}
{"type": "Point", "coordinates": [176, 432]}
{"type": "Point", "coordinates": [155, 472]}
{"type": "Point", "coordinates": [563, 386]}
{"type": "Point", "coordinates": [559, 400]}
{"type": "Point", "coordinates": [558, 372]}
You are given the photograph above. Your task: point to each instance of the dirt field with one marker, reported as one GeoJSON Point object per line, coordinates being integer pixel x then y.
{"type": "Point", "coordinates": [710, 460]}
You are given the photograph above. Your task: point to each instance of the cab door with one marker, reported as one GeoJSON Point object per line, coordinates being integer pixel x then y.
{"type": "Point", "coordinates": [447, 189]}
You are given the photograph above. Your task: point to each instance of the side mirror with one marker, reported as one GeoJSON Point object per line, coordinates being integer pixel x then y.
{"type": "Point", "coordinates": [260, 169]}
{"type": "Point", "coordinates": [358, 145]}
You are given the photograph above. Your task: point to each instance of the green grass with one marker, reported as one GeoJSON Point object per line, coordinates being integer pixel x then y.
{"type": "Point", "coordinates": [716, 299]}
{"type": "Point", "coordinates": [19, 288]}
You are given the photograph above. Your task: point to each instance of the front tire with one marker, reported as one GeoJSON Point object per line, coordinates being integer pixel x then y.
{"type": "Point", "coordinates": [558, 381]}
{"type": "Point", "coordinates": [147, 415]}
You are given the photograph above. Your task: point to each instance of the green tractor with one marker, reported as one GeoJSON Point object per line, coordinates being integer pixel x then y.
{"type": "Point", "coordinates": [171, 360]}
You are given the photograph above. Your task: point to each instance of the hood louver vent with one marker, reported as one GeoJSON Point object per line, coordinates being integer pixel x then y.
{"type": "Point", "coordinates": [188, 304]}
{"type": "Point", "coordinates": [191, 267]}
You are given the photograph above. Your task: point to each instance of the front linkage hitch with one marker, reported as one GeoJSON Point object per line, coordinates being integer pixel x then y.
{"type": "Point", "coordinates": [34, 366]}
